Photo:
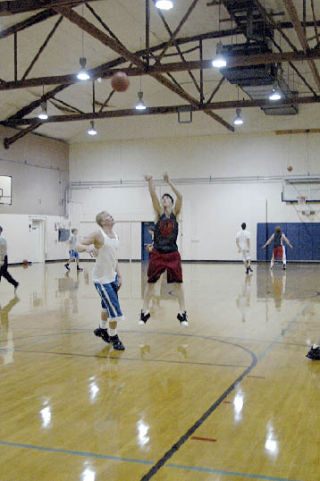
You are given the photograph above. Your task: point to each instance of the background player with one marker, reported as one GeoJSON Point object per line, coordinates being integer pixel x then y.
{"type": "Point", "coordinates": [278, 248]}
{"type": "Point", "coordinates": [73, 254]}
{"type": "Point", "coordinates": [243, 243]}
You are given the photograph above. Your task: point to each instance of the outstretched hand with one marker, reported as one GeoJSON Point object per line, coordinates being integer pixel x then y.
{"type": "Point", "coordinates": [148, 177]}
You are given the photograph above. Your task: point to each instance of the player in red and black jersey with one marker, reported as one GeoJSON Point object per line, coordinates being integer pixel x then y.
{"type": "Point", "coordinates": [165, 255]}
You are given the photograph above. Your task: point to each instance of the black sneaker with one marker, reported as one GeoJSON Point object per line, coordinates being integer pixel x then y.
{"type": "Point", "coordinates": [79, 269]}
{"type": "Point", "coordinates": [250, 269]}
{"type": "Point", "coordinates": [284, 267]}
{"type": "Point", "coordinates": [144, 317]}
{"type": "Point", "coordinates": [247, 270]}
{"type": "Point", "coordinates": [314, 353]}
{"type": "Point", "coordinates": [16, 287]}
{"type": "Point", "coordinates": [117, 344]}
{"type": "Point", "coordinates": [67, 267]}
{"type": "Point", "coordinates": [103, 333]}
{"type": "Point", "coordinates": [183, 318]}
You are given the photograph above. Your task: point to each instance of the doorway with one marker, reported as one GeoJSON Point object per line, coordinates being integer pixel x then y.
{"type": "Point", "coordinates": [37, 230]}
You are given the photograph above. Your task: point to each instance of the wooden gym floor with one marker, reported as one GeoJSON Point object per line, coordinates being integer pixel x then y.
{"type": "Point", "coordinates": [230, 398]}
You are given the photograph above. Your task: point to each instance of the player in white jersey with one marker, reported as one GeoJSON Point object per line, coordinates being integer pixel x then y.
{"type": "Point", "coordinates": [4, 263]}
{"type": "Point", "coordinates": [73, 254]}
{"type": "Point", "coordinates": [103, 245]}
{"type": "Point", "coordinates": [243, 243]}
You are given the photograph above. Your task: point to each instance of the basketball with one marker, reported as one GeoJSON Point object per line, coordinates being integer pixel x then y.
{"type": "Point", "coordinates": [289, 168]}
{"type": "Point", "coordinates": [25, 263]}
{"type": "Point", "coordinates": [120, 82]}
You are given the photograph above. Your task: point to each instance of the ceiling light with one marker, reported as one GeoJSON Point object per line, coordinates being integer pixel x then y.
{"type": "Point", "coordinates": [92, 130]}
{"type": "Point", "coordinates": [164, 4]}
{"type": "Point", "coordinates": [238, 120]}
{"type": "Point", "coordinates": [140, 105]}
{"type": "Point", "coordinates": [219, 61]}
{"type": "Point", "coordinates": [275, 94]}
{"type": "Point", "coordinates": [43, 114]}
{"type": "Point", "coordinates": [83, 74]}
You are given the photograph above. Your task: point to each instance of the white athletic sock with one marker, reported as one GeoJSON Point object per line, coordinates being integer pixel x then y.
{"type": "Point", "coordinates": [103, 324]}
{"type": "Point", "coordinates": [112, 332]}
{"type": "Point", "coordinates": [315, 346]}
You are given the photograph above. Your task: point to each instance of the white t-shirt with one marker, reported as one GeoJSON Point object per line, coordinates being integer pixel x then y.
{"type": "Point", "coordinates": [72, 242]}
{"type": "Point", "coordinates": [243, 236]}
{"type": "Point", "coordinates": [104, 270]}
{"type": "Point", "coordinates": [3, 248]}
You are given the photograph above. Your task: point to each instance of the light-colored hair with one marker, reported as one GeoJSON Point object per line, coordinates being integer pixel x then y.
{"type": "Point", "coordinates": [278, 228]}
{"type": "Point", "coordinates": [99, 217]}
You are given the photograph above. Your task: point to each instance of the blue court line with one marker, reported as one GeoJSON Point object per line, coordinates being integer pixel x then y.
{"type": "Point", "coordinates": [229, 473]}
{"type": "Point", "coordinates": [75, 453]}
{"type": "Point", "coordinates": [283, 332]}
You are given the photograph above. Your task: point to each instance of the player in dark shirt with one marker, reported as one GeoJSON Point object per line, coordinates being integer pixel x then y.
{"type": "Point", "coordinates": [165, 255]}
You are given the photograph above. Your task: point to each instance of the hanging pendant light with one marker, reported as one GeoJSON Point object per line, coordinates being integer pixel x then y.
{"type": "Point", "coordinates": [164, 4]}
{"type": "Point", "coordinates": [238, 120]}
{"type": "Point", "coordinates": [92, 131]}
{"type": "Point", "coordinates": [220, 60]}
{"type": "Point", "coordinates": [83, 73]}
{"type": "Point", "coordinates": [43, 115]}
{"type": "Point", "coordinates": [140, 105]}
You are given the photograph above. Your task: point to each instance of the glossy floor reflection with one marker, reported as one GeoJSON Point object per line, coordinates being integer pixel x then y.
{"type": "Point", "coordinates": [232, 397]}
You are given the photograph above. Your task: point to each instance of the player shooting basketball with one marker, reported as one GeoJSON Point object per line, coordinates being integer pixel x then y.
{"type": "Point", "coordinates": [165, 255]}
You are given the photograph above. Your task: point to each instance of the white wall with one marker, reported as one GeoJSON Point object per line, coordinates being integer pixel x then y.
{"type": "Point", "coordinates": [17, 232]}
{"type": "Point", "coordinates": [212, 212]}
{"type": "Point", "coordinates": [40, 172]}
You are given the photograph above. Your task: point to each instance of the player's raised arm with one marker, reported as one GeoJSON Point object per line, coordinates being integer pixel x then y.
{"type": "Point", "coordinates": [268, 241]}
{"type": "Point", "coordinates": [287, 241]}
{"type": "Point", "coordinates": [177, 208]}
{"type": "Point", "coordinates": [153, 194]}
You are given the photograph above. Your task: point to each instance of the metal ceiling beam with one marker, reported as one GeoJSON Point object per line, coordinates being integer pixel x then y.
{"type": "Point", "coordinates": [106, 71]}
{"type": "Point", "coordinates": [92, 30]}
{"type": "Point", "coordinates": [35, 19]}
{"type": "Point", "coordinates": [41, 49]}
{"type": "Point", "coordinates": [292, 12]}
{"type": "Point", "coordinates": [161, 110]}
{"type": "Point", "coordinates": [17, 6]}
{"type": "Point", "coordinates": [177, 30]}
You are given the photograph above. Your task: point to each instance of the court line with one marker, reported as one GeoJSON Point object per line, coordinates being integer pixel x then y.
{"type": "Point", "coordinates": [229, 473]}
{"type": "Point", "coordinates": [75, 453]}
{"type": "Point", "coordinates": [118, 358]}
{"type": "Point", "coordinates": [175, 447]}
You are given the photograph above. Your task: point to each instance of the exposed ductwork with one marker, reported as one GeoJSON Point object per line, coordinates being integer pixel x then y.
{"type": "Point", "coordinates": [256, 81]}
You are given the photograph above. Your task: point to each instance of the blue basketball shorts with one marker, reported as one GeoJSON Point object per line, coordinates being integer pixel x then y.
{"type": "Point", "coordinates": [73, 255]}
{"type": "Point", "coordinates": [110, 300]}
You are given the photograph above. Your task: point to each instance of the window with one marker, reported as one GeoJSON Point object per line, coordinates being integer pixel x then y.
{"type": "Point", "coordinates": [5, 189]}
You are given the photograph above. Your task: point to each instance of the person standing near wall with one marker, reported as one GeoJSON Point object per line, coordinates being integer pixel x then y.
{"type": "Point", "coordinates": [164, 255]}
{"type": "Point", "coordinates": [4, 263]}
{"type": "Point", "coordinates": [243, 243]}
{"type": "Point", "coordinates": [73, 254]}
{"type": "Point", "coordinates": [278, 248]}
{"type": "Point", "coordinates": [103, 245]}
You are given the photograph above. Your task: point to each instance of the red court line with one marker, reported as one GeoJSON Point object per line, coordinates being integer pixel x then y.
{"type": "Point", "coordinates": [197, 438]}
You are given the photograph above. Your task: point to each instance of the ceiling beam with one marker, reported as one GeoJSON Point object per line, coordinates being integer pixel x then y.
{"type": "Point", "coordinates": [35, 19]}
{"type": "Point", "coordinates": [292, 12]}
{"type": "Point", "coordinates": [170, 109]}
{"type": "Point", "coordinates": [17, 6]}
{"type": "Point", "coordinates": [92, 30]}
{"type": "Point", "coordinates": [105, 71]}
